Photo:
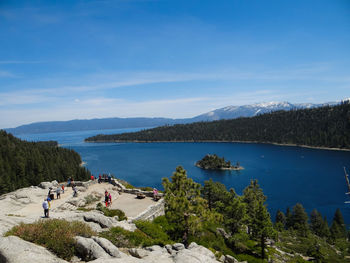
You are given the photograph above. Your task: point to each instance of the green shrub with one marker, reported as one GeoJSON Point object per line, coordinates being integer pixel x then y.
{"type": "Point", "coordinates": [249, 258]}
{"type": "Point", "coordinates": [155, 231]}
{"type": "Point", "coordinates": [123, 238]}
{"type": "Point", "coordinates": [57, 235]}
{"type": "Point", "coordinates": [85, 209]}
{"type": "Point", "coordinates": [312, 246]}
{"type": "Point", "coordinates": [91, 199]}
{"type": "Point", "coordinates": [111, 212]}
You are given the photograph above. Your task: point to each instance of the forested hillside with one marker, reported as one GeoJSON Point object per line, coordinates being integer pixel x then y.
{"type": "Point", "coordinates": [327, 126]}
{"type": "Point", "coordinates": [24, 163]}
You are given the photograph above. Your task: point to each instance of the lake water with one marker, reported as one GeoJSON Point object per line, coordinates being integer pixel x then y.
{"type": "Point", "coordinates": [287, 175]}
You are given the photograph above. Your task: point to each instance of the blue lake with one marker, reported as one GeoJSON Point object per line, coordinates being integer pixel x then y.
{"type": "Point", "coordinates": [287, 175]}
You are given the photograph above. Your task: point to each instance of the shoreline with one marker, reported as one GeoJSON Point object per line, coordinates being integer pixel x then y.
{"type": "Point", "coordinates": [216, 141]}
{"type": "Point", "coordinates": [223, 168]}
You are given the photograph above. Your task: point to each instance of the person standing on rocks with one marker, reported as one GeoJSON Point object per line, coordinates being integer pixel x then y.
{"type": "Point", "coordinates": [48, 199]}
{"type": "Point", "coordinates": [106, 198]}
{"type": "Point", "coordinates": [58, 192]}
{"type": "Point", "coordinates": [109, 199]}
{"type": "Point", "coordinates": [75, 191]}
{"type": "Point", "coordinates": [46, 208]}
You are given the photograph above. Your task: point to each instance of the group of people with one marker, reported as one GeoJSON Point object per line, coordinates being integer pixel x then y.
{"type": "Point", "coordinates": [104, 177]}
{"type": "Point", "coordinates": [108, 199]}
{"type": "Point", "coordinates": [51, 196]}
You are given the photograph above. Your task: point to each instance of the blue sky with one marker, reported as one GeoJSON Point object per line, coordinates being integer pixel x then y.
{"type": "Point", "coordinates": [63, 60]}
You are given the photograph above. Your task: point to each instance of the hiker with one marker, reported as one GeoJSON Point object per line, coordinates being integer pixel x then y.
{"type": "Point", "coordinates": [51, 194]}
{"type": "Point", "coordinates": [49, 201]}
{"type": "Point", "coordinates": [99, 179]}
{"type": "Point", "coordinates": [62, 187]}
{"type": "Point", "coordinates": [69, 181]}
{"type": "Point", "coordinates": [58, 192]}
{"type": "Point", "coordinates": [109, 178]}
{"type": "Point", "coordinates": [106, 198]}
{"type": "Point", "coordinates": [109, 199]}
{"type": "Point", "coordinates": [46, 208]}
{"type": "Point", "coordinates": [75, 191]}
{"type": "Point", "coordinates": [155, 194]}
{"type": "Point", "coordinates": [92, 178]}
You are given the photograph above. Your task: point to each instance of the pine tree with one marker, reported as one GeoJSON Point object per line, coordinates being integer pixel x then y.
{"type": "Point", "coordinates": [252, 195]}
{"type": "Point", "coordinates": [234, 213]}
{"type": "Point", "coordinates": [289, 219]}
{"type": "Point", "coordinates": [262, 226]}
{"type": "Point", "coordinates": [185, 209]}
{"type": "Point", "coordinates": [280, 220]}
{"type": "Point", "coordinates": [299, 219]}
{"type": "Point", "coordinates": [338, 229]}
{"type": "Point", "coordinates": [316, 222]}
{"type": "Point", "coordinates": [214, 192]}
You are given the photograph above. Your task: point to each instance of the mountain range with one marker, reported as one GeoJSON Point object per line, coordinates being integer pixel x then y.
{"type": "Point", "coordinates": [229, 112]}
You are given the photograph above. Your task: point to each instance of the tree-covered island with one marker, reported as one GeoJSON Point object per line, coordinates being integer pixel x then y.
{"type": "Point", "coordinates": [214, 162]}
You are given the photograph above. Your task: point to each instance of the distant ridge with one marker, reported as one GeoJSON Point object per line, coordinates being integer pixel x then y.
{"type": "Point", "coordinates": [229, 112]}
{"type": "Point", "coordinates": [233, 112]}
{"type": "Point", "coordinates": [326, 127]}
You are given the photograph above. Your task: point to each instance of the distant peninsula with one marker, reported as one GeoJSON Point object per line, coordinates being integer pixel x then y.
{"type": "Point", "coordinates": [214, 162]}
{"type": "Point", "coordinates": [323, 127]}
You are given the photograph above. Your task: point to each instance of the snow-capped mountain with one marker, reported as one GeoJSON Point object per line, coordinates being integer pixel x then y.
{"type": "Point", "coordinates": [232, 112]}
{"type": "Point", "coordinates": [229, 112]}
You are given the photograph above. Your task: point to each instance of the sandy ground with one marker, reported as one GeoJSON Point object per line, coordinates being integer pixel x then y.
{"type": "Point", "coordinates": [128, 203]}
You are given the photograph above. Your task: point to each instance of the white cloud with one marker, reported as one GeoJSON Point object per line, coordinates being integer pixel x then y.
{"type": "Point", "coordinates": [19, 62]}
{"type": "Point", "coordinates": [6, 74]}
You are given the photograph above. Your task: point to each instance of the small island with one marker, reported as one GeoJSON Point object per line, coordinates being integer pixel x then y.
{"type": "Point", "coordinates": [214, 162]}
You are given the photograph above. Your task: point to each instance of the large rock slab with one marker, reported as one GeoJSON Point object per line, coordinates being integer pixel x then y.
{"type": "Point", "coordinates": [103, 221]}
{"type": "Point", "coordinates": [195, 254]}
{"type": "Point", "coordinates": [13, 250]}
{"type": "Point", "coordinates": [88, 249]}
{"type": "Point", "coordinates": [108, 246]}
{"type": "Point", "coordinates": [120, 260]}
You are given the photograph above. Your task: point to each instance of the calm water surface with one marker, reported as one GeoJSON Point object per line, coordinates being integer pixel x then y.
{"type": "Point", "coordinates": [287, 175]}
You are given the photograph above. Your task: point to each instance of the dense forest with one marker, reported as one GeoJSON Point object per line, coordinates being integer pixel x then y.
{"type": "Point", "coordinates": [327, 126]}
{"type": "Point", "coordinates": [24, 163]}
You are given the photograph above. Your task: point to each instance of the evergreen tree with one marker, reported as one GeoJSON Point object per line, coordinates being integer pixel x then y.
{"type": "Point", "coordinates": [185, 209]}
{"type": "Point", "coordinates": [262, 226]}
{"type": "Point", "coordinates": [299, 219]}
{"type": "Point", "coordinates": [280, 220]}
{"type": "Point", "coordinates": [318, 225]}
{"type": "Point", "coordinates": [325, 231]}
{"type": "Point", "coordinates": [215, 192]}
{"type": "Point", "coordinates": [252, 195]}
{"type": "Point", "coordinates": [234, 213]}
{"type": "Point", "coordinates": [289, 219]}
{"type": "Point", "coordinates": [338, 229]}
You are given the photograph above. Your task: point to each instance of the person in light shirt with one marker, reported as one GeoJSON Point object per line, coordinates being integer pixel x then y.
{"type": "Point", "coordinates": [46, 208]}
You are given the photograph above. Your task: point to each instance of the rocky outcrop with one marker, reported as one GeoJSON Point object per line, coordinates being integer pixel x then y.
{"type": "Point", "coordinates": [89, 249]}
{"type": "Point", "coordinates": [47, 185]}
{"type": "Point", "coordinates": [108, 246]}
{"type": "Point", "coordinates": [103, 221]}
{"type": "Point", "coordinates": [14, 250]}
